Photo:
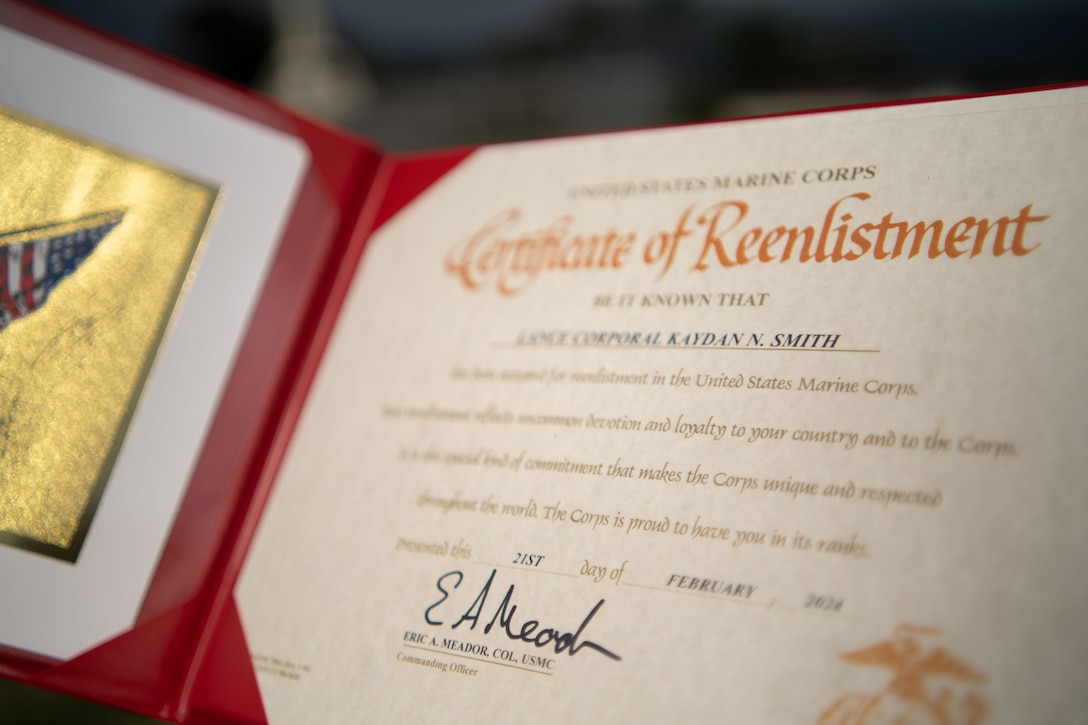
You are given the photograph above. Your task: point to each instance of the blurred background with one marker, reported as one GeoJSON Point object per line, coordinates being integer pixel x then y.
{"type": "Point", "coordinates": [423, 74]}
{"type": "Point", "coordinates": [418, 74]}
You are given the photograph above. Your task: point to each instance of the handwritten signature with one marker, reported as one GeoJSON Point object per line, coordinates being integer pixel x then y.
{"type": "Point", "coordinates": [529, 631]}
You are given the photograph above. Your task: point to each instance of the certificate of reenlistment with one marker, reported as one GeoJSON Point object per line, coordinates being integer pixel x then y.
{"type": "Point", "coordinates": [778, 420]}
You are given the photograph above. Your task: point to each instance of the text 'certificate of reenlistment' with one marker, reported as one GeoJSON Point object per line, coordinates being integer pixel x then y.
{"type": "Point", "coordinates": [770, 421]}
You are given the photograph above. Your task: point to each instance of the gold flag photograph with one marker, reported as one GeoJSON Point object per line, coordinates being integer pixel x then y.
{"type": "Point", "coordinates": [95, 251]}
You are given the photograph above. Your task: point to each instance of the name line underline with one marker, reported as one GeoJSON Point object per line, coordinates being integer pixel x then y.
{"type": "Point", "coordinates": [508, 345]}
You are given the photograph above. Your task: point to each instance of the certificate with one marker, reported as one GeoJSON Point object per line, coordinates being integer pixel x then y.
{"type": "Point", "coordinates": [777, 420]}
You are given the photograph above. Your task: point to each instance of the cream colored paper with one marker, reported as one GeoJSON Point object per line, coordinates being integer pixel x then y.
{"type": "Point", "coordinates": [721, 519]}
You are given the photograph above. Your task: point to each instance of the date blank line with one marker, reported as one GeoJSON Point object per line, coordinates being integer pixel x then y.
{"type": "Point", "coordinates": [527, 568]}
{"type": "Point", "coordinates": [732, 600]}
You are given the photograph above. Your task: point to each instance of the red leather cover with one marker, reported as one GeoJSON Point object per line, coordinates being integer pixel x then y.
{"type": "Point", "coordinates": [185, 658]}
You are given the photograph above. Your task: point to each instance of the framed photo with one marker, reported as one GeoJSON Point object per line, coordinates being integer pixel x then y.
{"type": "Point", "coordinates": [136, 228]}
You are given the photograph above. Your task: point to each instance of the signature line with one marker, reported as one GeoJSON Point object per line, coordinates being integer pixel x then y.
{"type": "Point", "coordinates": [476, 659]}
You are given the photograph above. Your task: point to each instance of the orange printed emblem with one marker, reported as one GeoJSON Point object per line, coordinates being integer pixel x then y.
{"type": "Point", "coordinates": [928, 687]}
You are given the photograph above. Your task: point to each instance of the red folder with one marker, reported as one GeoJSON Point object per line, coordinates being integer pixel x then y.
{"type": "Point", "coordinates": [185, 658]}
